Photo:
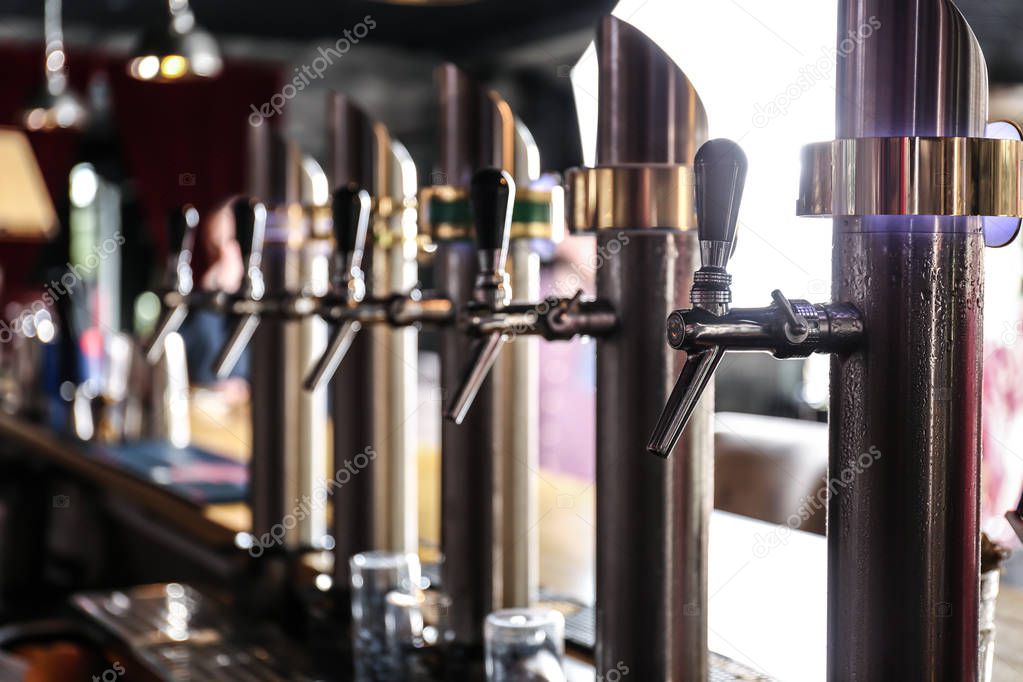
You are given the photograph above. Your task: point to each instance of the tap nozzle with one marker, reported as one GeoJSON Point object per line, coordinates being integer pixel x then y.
{"type": "Point", "coordinates": [492, 195]}
{"type": "Point", "coordinates": [250, 228]}
{"type": "Point", "coordinates": [351, 211]}
{"type": "Point", "coordinates": [182, 224]}
{"type": "Point", "coordinates": [720, 169]}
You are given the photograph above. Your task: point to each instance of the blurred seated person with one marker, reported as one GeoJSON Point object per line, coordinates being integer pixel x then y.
{"type": "Point", "coordinates": [220, 268]}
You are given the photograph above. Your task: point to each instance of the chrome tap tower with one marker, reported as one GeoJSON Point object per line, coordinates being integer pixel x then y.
{"type": "Point", "coordinates": [909, 183]}
{"type": "Point", "coordinates": [903, 538]}
{"type": "Point", "coordinates": [375, 390]}
{"type": "Point", "coordinates": [288, 443]}
{"type": "Point", "coordinates": [652, 515]}
{"type": "Point", "coordinates": [488, 496]}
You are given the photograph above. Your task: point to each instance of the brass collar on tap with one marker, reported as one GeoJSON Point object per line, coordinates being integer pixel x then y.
{"type": "Point", "coordinates": [631, 196]}
{"type": "Point", "coordinates": [910, 176]}
{"type": "Point", "coordinates": [289, 224]}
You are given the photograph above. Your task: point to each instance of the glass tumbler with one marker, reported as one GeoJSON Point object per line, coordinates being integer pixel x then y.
{"type": "Point", "coordinates": [374, 576]}
{"type": "Point", "coordinates": [525, 645]}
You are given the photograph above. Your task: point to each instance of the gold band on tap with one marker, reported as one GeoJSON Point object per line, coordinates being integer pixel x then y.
{"type": "Point", "coordinates": [288, 224]}
{"type": "Point", "coordinates": [928, 176]}
{"type": "Point", "coordinates": [537, 213]}
{"type": "Point", "coordinates": [631, 197]}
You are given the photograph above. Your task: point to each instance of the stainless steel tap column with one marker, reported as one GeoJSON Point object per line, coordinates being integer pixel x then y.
{"type": "Point", "coordinates": [375, 391]}
{"type": "Point", "coordinates": [518, 382]}
{"type": "Point", "coordinates": [489, 538]}
{"type": "Point", "coordinates": [288, 428]}
{"type": "Point", "coordinates": [903, 536]}
{"type": "Point", "coordinates": [468, 451]}
{"type": "Point", "coordinates": [652, 514]}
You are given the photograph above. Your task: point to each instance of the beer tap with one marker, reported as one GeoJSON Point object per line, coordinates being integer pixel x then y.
{"type": "Point", "coordinates": [351, 210]}
{"type": "Point", "coordinates": [491, 196]}
{"type": "Point", "coordinates": [178, 286]}
{"type": "Point", "coordinates": [246, 304]}
{"type": "Point", "coordinates": [490, 315]}
{"type": "Point", "coordinates": [348, 305]}
{"type": "Point", "coordinates": [787, 329]}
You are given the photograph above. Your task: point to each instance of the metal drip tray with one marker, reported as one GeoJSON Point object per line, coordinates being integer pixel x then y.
{"type": "Point", "coordinates": [180, 635]}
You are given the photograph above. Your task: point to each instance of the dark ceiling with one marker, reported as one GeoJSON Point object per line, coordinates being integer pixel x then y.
{"type": "Point", "coordinates": [459, 31]}
{"type": "Point", "coordinates": [520, 47]}
{"type": "Point", "coordinates": [452, 31]}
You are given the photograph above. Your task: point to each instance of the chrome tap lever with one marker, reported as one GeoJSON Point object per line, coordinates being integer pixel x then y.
{"type": "Point", "coordinates": [796, 326]}
{"type": "Point", "coordinates": [182, 224]}
{"type": "Point", "coordinates": [326, 367]}
{"type": "Point", "coordinates": [484, 357]}
{"type": "Point", "coordinates": [250, 229]}
{"type": "Point", "coordinates": [720, 169]}
{"type": "Point", "coordinates": [351, 210]}
{"type": "Point", "coordinates": [492, 196]}
{"type": "Point", "coordinates": [684, 398]}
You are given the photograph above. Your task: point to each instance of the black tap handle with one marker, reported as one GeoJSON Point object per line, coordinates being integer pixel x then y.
{"type": "Point", "coordinates": [181, 224]}
{"type": "Point", "coordinates": [491, 195]}
{"type": "Point", "coordinates": [351, 209]}
{"type": "Point", "coordinates": [249, 229]}
{"type": "Point", "coordinates": [720, 169]}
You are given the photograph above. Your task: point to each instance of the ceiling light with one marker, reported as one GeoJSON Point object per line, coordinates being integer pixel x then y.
{"type": "Point", "coordinates": [177, 52]}
{"type": "Point", "coordinates": [56, 106]}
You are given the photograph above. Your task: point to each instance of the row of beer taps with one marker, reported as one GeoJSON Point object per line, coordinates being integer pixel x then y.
{"type": "Point", "coordinates": [490, 316]}
{"type": "Point", "coordinates": [665, 202]}
{"type": "Point", "coordinates": [478, 315]}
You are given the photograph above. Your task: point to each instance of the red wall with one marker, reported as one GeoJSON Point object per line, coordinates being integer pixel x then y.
{"type": "Point", "coordinates": [182, 142]}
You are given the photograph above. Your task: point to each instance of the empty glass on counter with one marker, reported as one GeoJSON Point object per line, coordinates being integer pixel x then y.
{"type": "Point", "coordinates": [417, 630]}
{"type": "Point", "coordinates": [375, 576]}
{"type": "Point", "coordinates": [525, 645]}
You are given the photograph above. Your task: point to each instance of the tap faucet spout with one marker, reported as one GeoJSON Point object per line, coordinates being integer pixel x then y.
{"type": "Point", "coordinates": [351, 209]}
{"type": "Point", "coordinates": [250, 228]}
{"type": "Point", "coordinates": [492, 195]}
